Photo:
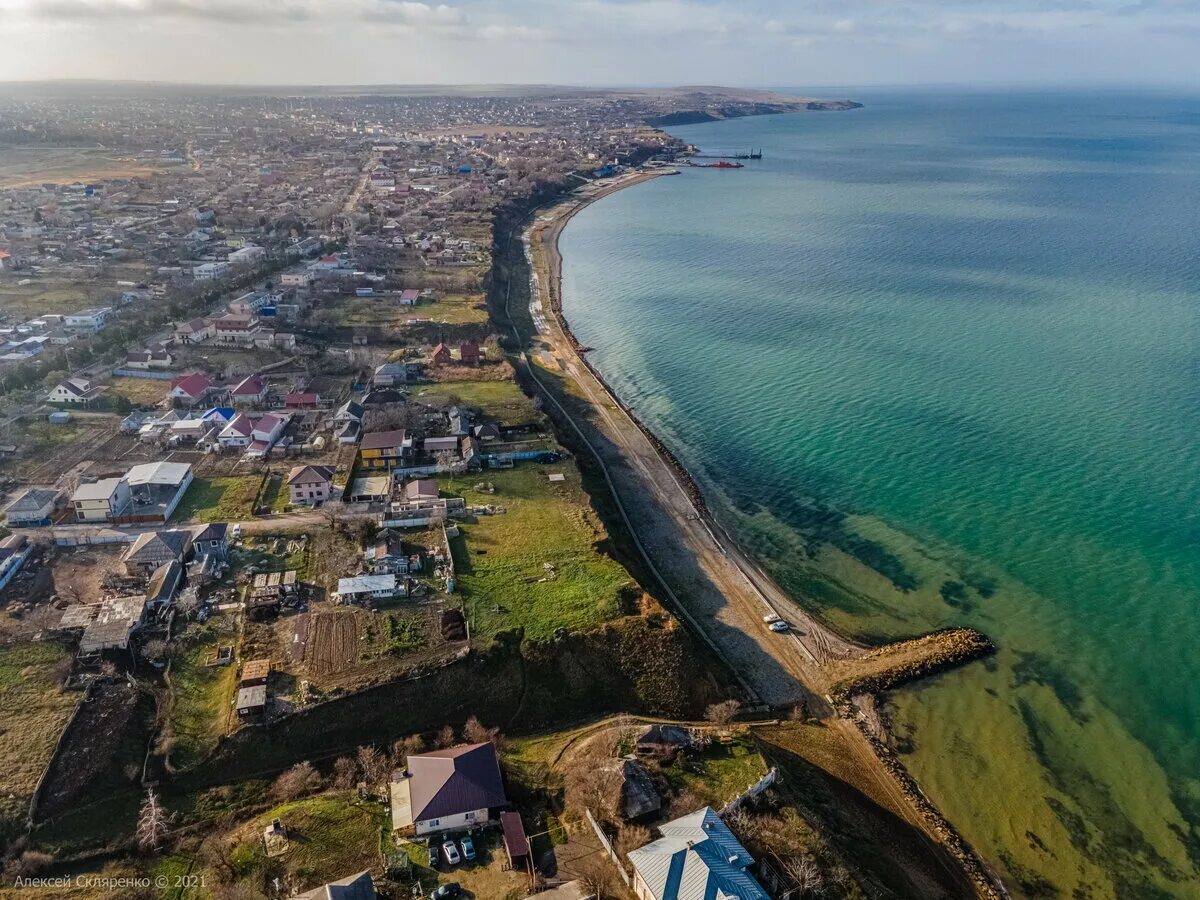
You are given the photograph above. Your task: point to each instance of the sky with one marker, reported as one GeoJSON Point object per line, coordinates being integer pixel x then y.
{"type": "Point", "coordinates": [779, 43]}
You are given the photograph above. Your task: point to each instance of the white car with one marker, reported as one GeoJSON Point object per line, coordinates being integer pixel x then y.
{"type": "Point", "coordinates": [450, 849]}
{"type": "Point", "coordinates": [779, 625]}
{"type": "Point", "coordinates": [771, 618]}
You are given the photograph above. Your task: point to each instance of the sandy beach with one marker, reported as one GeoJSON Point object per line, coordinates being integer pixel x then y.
{"type": "Point", "coordinates": [706, 578]}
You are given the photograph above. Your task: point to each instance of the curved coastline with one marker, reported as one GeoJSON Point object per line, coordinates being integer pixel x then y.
{"type": "Point", "coordinates": [850, 705]}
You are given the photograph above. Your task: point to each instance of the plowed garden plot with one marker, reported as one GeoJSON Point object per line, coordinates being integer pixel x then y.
{"type": "Point", "coordinates": [332, 646]}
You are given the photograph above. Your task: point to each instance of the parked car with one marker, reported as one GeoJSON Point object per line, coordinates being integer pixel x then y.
{"type": "Point", "coordinates": [771, 618]}
{"type": "Point", "coordinates": [433, 856]}
{"type": "Point", "coordinates": [450, 851]}
{"type": "Point", "coordinates": [446, 891]}
{"type": "Point", "coordinates": [779, 626]}
{"type": "Point", "coordinates": [468, 849]}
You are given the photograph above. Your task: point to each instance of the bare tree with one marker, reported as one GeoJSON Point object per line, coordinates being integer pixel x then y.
{"type": "Point", "coordinates": [406, 747]}
{"type": "Point", "coordinates": [475, 732]}
{"type": "Point", "coordinates": [804, 875]}
{"type": "Point", "coordinates": [297, 781]}
{"type": "Point", "coordinates": [373, 765]}
{"type": "Point", "coordinates": [722, 713]}
{"type": "Point", "coordinates": [445, 738]}
{"type": "Point", "coordinates": [153, 822]}
{"type": "Point", "coordinates": [154, 649]}
{"type": "Point", "coordinates": [345, 773]}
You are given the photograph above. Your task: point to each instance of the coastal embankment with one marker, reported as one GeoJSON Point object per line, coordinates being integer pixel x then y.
{"type": "Point", "coordinates": [715, 587]}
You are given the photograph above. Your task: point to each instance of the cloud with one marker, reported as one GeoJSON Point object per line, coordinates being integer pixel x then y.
{"type": "Point", "coordinates": [408, 13]}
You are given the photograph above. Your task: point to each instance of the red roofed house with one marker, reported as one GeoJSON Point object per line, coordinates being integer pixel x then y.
{"type": "Point", "coordinates": [469, 353]}
{"type": "Point", "coordinates": [265, 433]}
{"type": "Point", "coordinates": [4, 257]}
{"type": "Point", "coordinates": [441, 355]}
{"type": "Point", "coordinates": [190, 389]}
{"type": "Point", "coordinates": [252, 391]}
{"type": "Point", "coordinates": [236, 433]}
{"type": "Point", "coordinates": [302, 401]}
{"type": "Point", "coordinates": [448, 790]}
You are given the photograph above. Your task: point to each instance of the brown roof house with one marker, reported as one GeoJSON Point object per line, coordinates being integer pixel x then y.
{"type": "Point", "coordinates": [446, 790]}
{"type": "Point", "coordinates": [352, 887]}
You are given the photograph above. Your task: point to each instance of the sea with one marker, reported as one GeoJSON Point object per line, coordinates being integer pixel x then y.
{"type": "Point", "coordinates": [935, 362]}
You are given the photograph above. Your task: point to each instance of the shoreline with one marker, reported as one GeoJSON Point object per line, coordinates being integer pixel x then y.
{"type": "Point", "coordinates": [817, 643]}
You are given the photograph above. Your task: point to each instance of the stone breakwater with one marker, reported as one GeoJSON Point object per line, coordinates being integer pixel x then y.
{"type": "Point", "coordinates": [894, 664]}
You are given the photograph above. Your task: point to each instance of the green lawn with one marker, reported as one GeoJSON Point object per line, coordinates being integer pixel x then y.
{"type": "Point", "coordinates": [722, 772]}
{"type": "Point", "coordinates": [454, 309]}
{"type": "Point", "coordinates": [275, 495]}
{"type": "Point", "coordinates": [228, 499]}
{"type": "Point", "coordinates": [200, 694]}
{"type": "Point", "coordinates": [501, 400]}
{"type": "Point", "coordinates": [33, 713]}
{"type": "Point", "coordinates": [500, 559]}
{"type": "Point", "coordinates": [330, 836]}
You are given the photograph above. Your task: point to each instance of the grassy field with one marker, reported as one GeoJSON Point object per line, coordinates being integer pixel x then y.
{"type": "Point", "coordinates": [501, 400]}
{"type": "Point", "coordinates": [219, 499]}
{"type": "Point", "coordinates": [140, 391]}
{"type": "Point", "coordinates": [33, 713]}
{"type": "Point", "coordinates": [275, 494]}
{"type": "Point", "coordinates": [330, 836]}
{"type": "Point", "coordinates": [34, 165]}
{"type": "Point", "coordinates": [501, 561]}
{"type": "Point", "coordinates": [454, 309]}
{"type": "Point", "coordinates": [200, 695]}
{"type": "Point", "coordinates": [41, 297]}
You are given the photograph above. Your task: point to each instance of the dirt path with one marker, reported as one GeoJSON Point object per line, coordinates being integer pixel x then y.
{"type": "Point", "coordinates": [723, 594]}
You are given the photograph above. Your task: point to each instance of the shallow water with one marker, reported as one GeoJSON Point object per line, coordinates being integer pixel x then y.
{"type": "Point", "coordinates": [937, 361]}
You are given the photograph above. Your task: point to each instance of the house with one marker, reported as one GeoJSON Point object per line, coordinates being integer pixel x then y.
{"type": "Point", "coordinates": [157, 488]}
{"type": "Point", "coordinates": [164, 584]}
{"type": "Point", "coordinates": [296, 279]}
{"type": "Point", "coordinates": [369, 489]}
{"type": "Point", "coordinates": [352, 887]}
{"type": "Point", "coordinates": [384, 449]}
{"type": "Point", "coordinates": [421, 489]}
{"type": "Point", "coordinates": [386, 555]}
{"type": "Point", "coordinates": [408, 297]}
{"type": "Point", "coordinates": [33, 508]}
{"type": "Point", "coordinates": [390, 375]}
{"type": "Point", "coordinates": [247, 256]}
{"type": "Point", "coordinates": [117, 619]}
{"type": "Point", "coordinates": [210, 271]}
{"type": "Point", "coordinates": [88, 320]}
{"type": "Point", "coordinates": [194, 332]}
{"type": "Point", "coordinates": [696, 858]}
{"type": "Point", "coordinates": [310, 485]}
{"type": "Point", "coordinates": [252, 702]}
{"type": "Point", "coordinates": [369, 588]}
{"type": "Point", "coordinates": [211, 540]}
{"type": "Point", "coordinates": [348, 433]}
{"type": "Point", "coordinates": [265, 433]}
{"type": "Point", "coordinates": [151, 358]}
{"type": "Point", "coordinates": [76, 390]}
{"type": "Point", "coordinates": [349, 412]}
{"type": "Point", "coordinates": [663, 742]}
{"type": "Point", "coordinates": [236, 433]}
{"type": "Point", "coordinates": [435, 445]}
{"type": "Point", "coordinates": [441, 356]}
{"type": "Point", "coordinates": [250, 391]}
{"type": "Point", "coordinates": [469, 353]}
{"type": "Point", "coordinates": [447, 790]}
{"type": "Point", "coordinates": [306, 400]}
{"type": "Point", "coordinates": [190, 389]}
{"type": "Point", "coordinates": [153, 549]}
{"type": "Point", "coordinates": [102, 500]}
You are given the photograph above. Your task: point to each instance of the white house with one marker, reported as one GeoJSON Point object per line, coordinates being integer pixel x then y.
{"type": "Point", "coordinates": [367, 588]}
{"type": "Point", "coordinates": [447, 790]}
{"type": "Point", "coordinates": [101, 500]}
{"type": "Point", "coordinates": [236, 433]}
{"type": "Point", "coordinates": [310, 485]}
{"type": "Point", "coordinates": [195, 331]}
{"type": "Point", "coordinates": [75, 390]}
{"type": "Point", "coordinates": [296, 279]}
{"type": "Point", "coordinates": [90, 320]}
{"type": "Point", "coordinates": [210, 270]}
{"type": "Point", "coordinates": [32, 508]}
{"type": "Point", "coordinates": [247, 256]}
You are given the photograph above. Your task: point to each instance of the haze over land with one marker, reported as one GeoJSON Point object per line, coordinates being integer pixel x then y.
{"type": "Point", "coordinates": [762, 42]}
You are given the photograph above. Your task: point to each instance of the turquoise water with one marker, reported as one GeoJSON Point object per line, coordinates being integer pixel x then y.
{"type": "Point", "coordinates": [937, 361]}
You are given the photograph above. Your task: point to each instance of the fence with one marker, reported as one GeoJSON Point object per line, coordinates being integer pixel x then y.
{"type": "Point", "coordinates": [753, 791]}
{"type": "Point", "coordinates": [72, 539]}
{"type": "Point", "coordinates": [608, 848]}
{"type": "Point", "coordinates": [156, 374]}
